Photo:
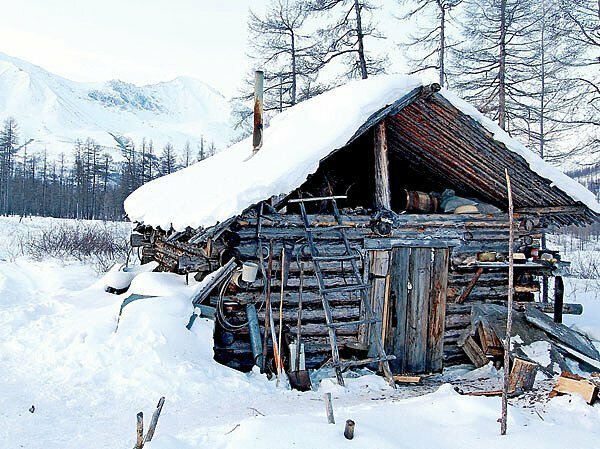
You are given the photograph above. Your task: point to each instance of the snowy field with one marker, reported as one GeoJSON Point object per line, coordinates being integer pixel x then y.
{"type": "Point", "coordinates": [60, 353]}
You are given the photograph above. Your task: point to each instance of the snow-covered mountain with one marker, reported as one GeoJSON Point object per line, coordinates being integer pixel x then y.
{"type": "Point", "coordinates": [55, 111]}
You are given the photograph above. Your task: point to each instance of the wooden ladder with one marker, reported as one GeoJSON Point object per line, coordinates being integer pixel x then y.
{"type": "Point", "coordinates": [356, 285]}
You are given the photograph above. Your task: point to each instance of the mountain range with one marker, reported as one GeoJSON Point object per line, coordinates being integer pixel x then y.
{"type": "Point", "coordinates": [55, 111]}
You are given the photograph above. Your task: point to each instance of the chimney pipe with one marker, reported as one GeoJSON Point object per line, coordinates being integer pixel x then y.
{"type": "Point", "coordinates": [257, 134]}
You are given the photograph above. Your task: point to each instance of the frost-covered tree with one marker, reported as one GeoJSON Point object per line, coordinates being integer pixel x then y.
{"type": "Point", "coordinates": [427, 48]}
{"type": "Point", "coordinates": [546, 99]}
{"type": "Point", "coordinates": [582, 26]}
{"type": "Point", "coordinates": [496, 51]}
{"type": "Point", "coordinates": [186, 155]}
{"type": "Point", "coordinates": [9, 140]}
{"type": "Point", "coordinates": [279, 46]}
{"type": "Point", "coordinates": [168, 160]}
{"type": "Point", "coordinates": [348, 24]}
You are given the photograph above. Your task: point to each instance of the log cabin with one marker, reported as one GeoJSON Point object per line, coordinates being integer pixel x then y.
{"type": "Point", "coordinates": [344, 208]}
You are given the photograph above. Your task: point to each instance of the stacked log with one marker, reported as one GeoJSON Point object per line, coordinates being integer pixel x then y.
{"type": "Point", "coordinates": [470, 234]}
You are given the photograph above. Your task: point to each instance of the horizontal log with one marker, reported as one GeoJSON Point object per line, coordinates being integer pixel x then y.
{"type": "Point", "coordinates": [338, 314]}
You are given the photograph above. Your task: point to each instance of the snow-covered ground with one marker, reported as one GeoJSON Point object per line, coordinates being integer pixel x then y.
{"type": "Point", "coordinates": [60, 353]}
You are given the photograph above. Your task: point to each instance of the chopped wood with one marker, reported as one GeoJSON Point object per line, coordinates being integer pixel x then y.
{"type": "Point", "coordinates": [490, 343]}
{"type": "Point", "coordinates": [407, 379]}
{"type": "Point", "coordinates": [471, 348]}
{"type": "Point", "coordinates": [574, 384]}
{"type": "Point", "coordinates": [522, 375]}
{"type": "Point", "coordinates": [562, 333]}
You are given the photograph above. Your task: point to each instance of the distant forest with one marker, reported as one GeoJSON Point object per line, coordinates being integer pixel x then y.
{"type": "Point", "coordinates": [88, 183]}
{"type": "Point", "coordinates": [532, 67]}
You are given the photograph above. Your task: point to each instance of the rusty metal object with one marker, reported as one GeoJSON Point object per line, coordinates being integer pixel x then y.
{"type": "Point", "coordinates": [420, 202]}
{"type": "Point", "coordinates": [257, 133]}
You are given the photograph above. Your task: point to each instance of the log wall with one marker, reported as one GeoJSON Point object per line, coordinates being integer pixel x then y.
{"type": "Point", "coordinates": [469, 234]}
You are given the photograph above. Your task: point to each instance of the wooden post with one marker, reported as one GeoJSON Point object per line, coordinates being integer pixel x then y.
{"type": "Point", "coordinates": [349, 429]}
{"type": "Point", "coordinates": [267, 302]}
{"type": "Point", "coordinates": [154, 420]}
{"type": "Point", "coordinates": [559, 293]}
{"type": "Point", "coordinates": [139, 442]}
{"type": "Point", "coordinates": [329, 408]}
{"type": "Point", "coordinates": [382, 172]}
{"type": "Point", "coordinates": [279, 360]}
{"type": "Point", "coordinates": [511, 275]}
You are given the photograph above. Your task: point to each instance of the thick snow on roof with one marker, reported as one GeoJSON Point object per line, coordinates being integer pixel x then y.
{"type": "Point", "coordinates": [297, 140]}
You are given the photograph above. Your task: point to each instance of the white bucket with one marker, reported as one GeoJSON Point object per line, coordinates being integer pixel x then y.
{"type": "Point", "coordinates": [249, 271]}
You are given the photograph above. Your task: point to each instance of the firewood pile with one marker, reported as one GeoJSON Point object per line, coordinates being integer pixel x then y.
{"type": "Point", "coordinates": [537, 345]}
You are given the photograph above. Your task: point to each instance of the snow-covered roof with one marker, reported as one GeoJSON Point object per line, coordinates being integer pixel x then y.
{"type": "Point", "coordinates": [224, 185]}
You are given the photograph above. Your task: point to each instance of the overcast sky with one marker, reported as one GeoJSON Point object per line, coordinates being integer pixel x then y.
{"type": "Point", "coordinates": [139, 41]}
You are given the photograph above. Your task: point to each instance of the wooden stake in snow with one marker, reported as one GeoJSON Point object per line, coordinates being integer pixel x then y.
{"type": "Point", "coordinates": [139, 442]}
{"type": "Point", "coordinates": [349, 429]}
{"type": "Point", "coordinates": [140, 438]}
{"type": "Point", "coordinates": [154, 420]}
{"type": "Point", "coordinates": [511, 240]}
{"type": "Point", "coordinates": [329, 408]}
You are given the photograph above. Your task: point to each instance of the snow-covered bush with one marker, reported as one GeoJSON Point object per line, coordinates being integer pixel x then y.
{"type": "Point", "coordinates": [581, 247]}
{"type": "Point", "coordinates": [97, 243]}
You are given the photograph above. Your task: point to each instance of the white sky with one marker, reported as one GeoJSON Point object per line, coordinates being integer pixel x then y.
{"type": "Point", "coordinates": [139, 41]}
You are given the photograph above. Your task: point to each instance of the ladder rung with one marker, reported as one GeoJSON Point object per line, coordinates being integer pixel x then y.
{"type": "Point", "coordinates": [353, 323]}
{"type": "Point", "coordinates": [345, 288]}
{"type": "Point", "coordinates": [318, 198]}
{"type": "Point", "coordinates": [327, 228]}
{"type": "Point", "coordinates": [350, 363]}
{"type": "Point", "coordinates": [336, 258]}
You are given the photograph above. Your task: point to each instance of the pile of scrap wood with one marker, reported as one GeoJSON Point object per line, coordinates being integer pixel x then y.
{"type": "Point", "coordinates": [536, 339]}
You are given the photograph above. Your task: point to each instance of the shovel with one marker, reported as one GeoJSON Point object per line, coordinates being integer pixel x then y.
{"type": "Point", "coordinates": [299, 379]}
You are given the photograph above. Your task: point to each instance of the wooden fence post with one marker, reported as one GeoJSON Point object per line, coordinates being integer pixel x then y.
{"type": "Point", "coordinates": [329, 408]}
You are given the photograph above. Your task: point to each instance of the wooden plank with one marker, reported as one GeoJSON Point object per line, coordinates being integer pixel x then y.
{"type": "Point", "coordinates": [418, 310]}
{"type": "Point", "coordinates": [579, 356]}
{"type": "Point", "coordinates": [571, 383]}
{"type": "Point", "coordinates": [379, 263]}
{"type": "Point", "coordinates": [437, 310]}
{"type": "Point", "coordinates": [469, 288]}
{"type": "Point", "coordinates": [407, 379]}
{"type": "Point", "coordinates": [399, 299]}
{"type": "Point", "coordinates": [561, 332]}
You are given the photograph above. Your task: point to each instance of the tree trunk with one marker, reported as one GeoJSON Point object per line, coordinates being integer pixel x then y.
{"type": "Point", "coordinates": [442, 42]}
{"type": "Point", "coordinates": [502, 68]}
{"type": "Point", "coordinates": [361, 47]}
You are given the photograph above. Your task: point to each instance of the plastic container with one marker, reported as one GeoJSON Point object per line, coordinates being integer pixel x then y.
{"type": "Point", "coordinates": [249, 271]}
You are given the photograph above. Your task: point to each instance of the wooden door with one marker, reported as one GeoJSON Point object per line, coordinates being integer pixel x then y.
{"type": "Point", "coordinates": [414, 313]}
